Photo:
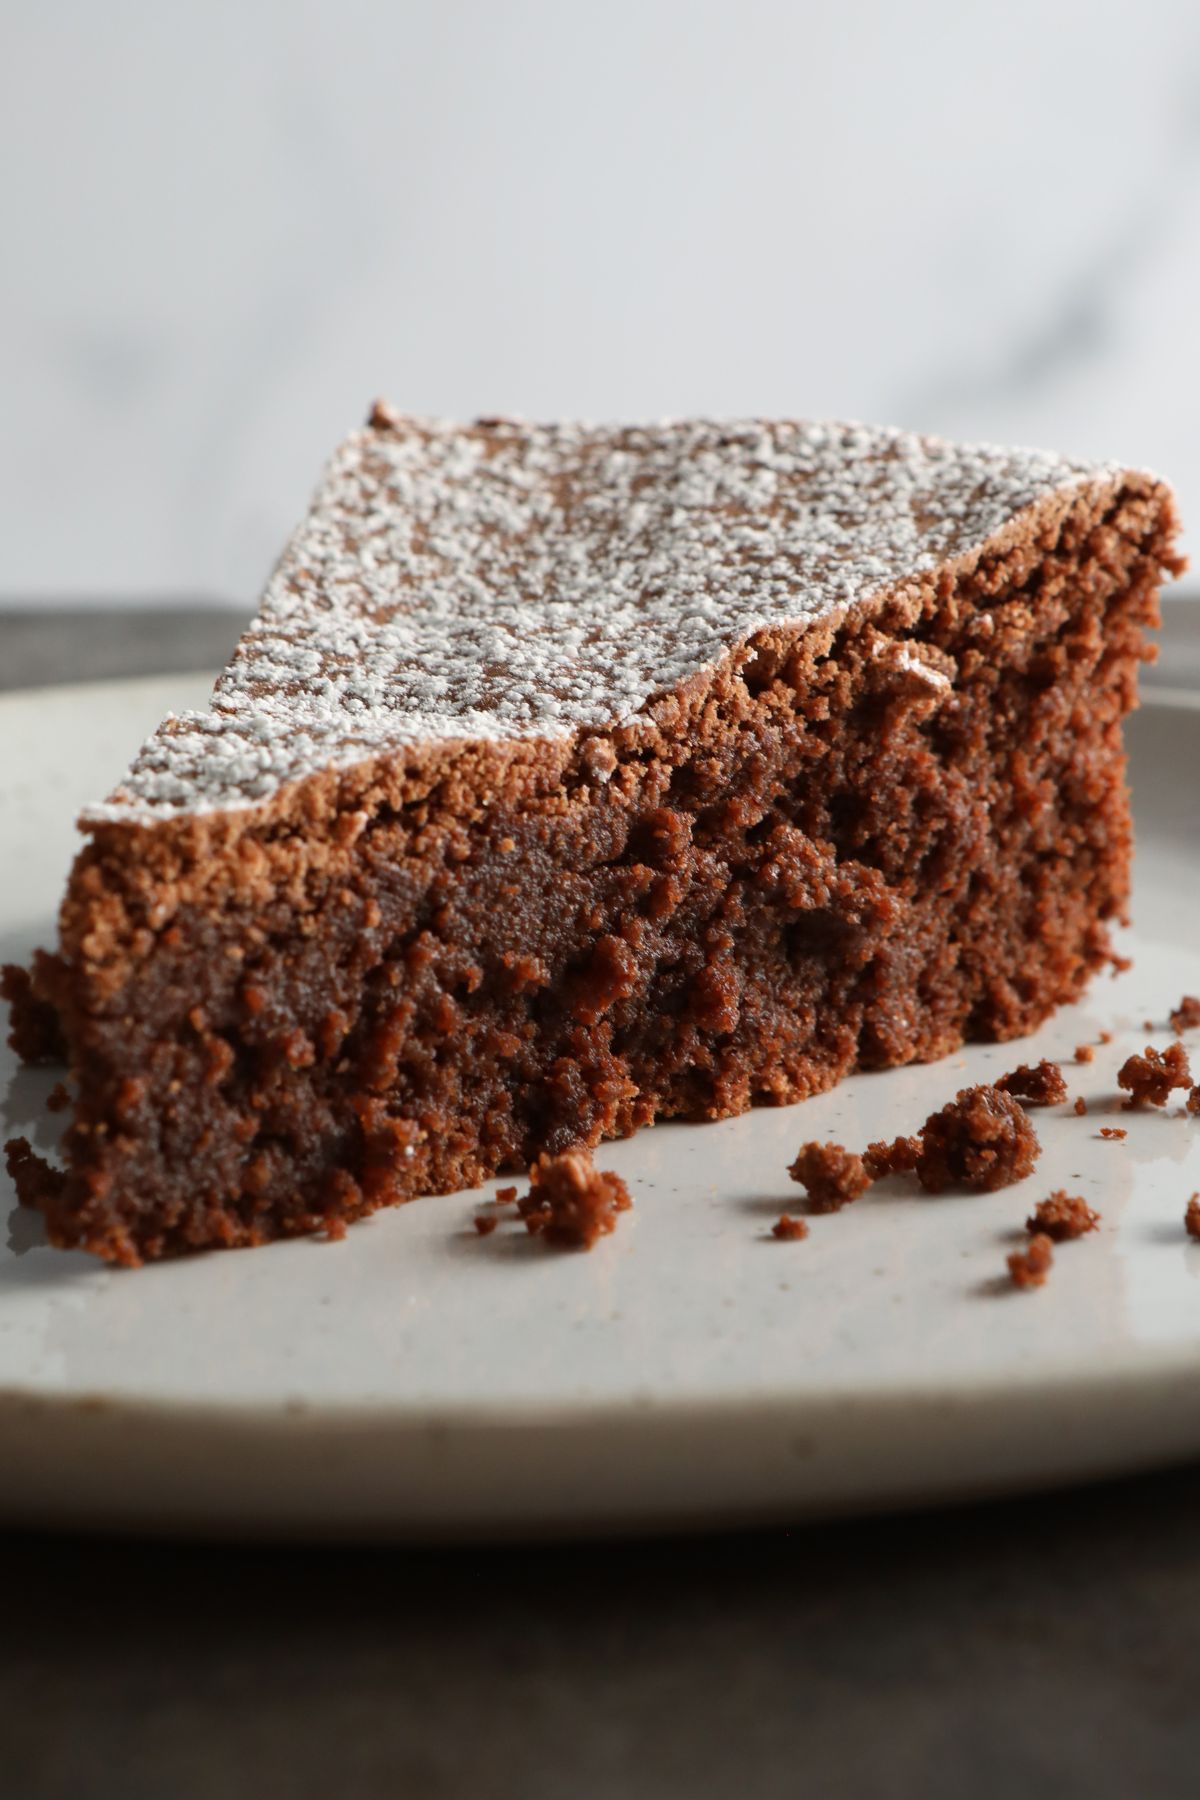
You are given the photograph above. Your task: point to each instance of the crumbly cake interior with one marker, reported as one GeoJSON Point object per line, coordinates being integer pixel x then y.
{"type": "Point", "coordinates": [850, 841]}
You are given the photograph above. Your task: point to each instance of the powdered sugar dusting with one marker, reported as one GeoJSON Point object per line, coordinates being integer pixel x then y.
{"type": "Point", "coordinates": [503, 580]}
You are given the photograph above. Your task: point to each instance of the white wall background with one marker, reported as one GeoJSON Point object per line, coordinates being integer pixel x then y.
{"type": "Point", "coordinates": [225, 226]}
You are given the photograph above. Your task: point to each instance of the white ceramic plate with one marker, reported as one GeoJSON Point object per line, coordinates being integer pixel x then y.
{"type": "Point", "coordinates": [416, 1379]}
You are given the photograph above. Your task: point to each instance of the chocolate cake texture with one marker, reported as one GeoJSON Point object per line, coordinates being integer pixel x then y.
{"type": "Point", "coordinates": [570, 778]}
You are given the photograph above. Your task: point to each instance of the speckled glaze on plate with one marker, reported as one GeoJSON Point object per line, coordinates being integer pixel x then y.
{"type": "Point", "coordinates": [417, 1380]}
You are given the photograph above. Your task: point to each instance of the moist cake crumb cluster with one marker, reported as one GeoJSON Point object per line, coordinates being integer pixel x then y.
{"type": "Point", "coordinates": [1186, 1016]}
{"type": "Point", "coordinates": [981, 1139]}
{"type": "Point", "coordinates": [570, 778]}
{"type": "Point", "coordinates": [789, 1229]}
{"type": "Point", "coordinates": [1061, 1216]}
{"type": "Point", "coordinates": [978, 1140]}
{"type": "Point", "coordinates": [1040, 1085]}
{"type": "Point", "coordinates": [1150, 1079]}
{"type": "Point", "coordinates": [571, 1203]}
{"type": "Point", "coordinates": [899, 1157]}
{"type": "Point", "coordinates": [1028, 1268]}
{"type": "Point", "coordinates": [34, 1031]}
{"type": "Point", "coordinates": [38, 1184]}
{"type": "Point", "coordinates": [831, 1176]}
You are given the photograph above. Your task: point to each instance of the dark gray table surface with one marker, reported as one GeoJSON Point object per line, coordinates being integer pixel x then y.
{"type": "Point", "coordinates": [1044, 1647]}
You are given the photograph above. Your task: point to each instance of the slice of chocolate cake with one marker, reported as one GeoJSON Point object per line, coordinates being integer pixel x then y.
{"type": "Point", "coordinates": [571, 778]}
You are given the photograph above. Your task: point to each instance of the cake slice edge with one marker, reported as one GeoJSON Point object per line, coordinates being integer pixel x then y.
{"type": "Point", "coordinates": [851, 842]}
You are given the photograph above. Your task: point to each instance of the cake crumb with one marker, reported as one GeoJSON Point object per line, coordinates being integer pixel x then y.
{"type": "Point", "coordinates": [982, 1139]}
{"type": "Point", "coordinates": [1151, 1078]}
{"type": "Point", "coordinates": [1084, 1053]}
{"type": "Point", "coordinates": [1113, 1131]}
{"type": "Point", "coordinates": [37, 1182]}
{"type": "Point", "coordinates": [35, 1032]}
{"type": "Point", "coordinates": [899, 1157]}
{"type": "Point", "coordinates": [1106, 1037]}
{"type": "Point", "coordinates": [1186, 1016]}
{"type": "Point", "coordinates": [1193, 1100]}
{"type": "Point", "coordinates": [833, 1176]}
{"type": "Point", "coordinates": [59, 1098]}
{"type": "Point", "coordinates": [1028, 1268]}
{"type": "Point", "coordinates": [570, 1202]}
{"type": "Point", "coordinates": [485, 1223]}
{"type": "Point", "coordinates": [505, 1196]}
{"type": "Point", "coordinates": [1042, 1085]}
{"type": "Point", "coordinates": [786, 1227]}
{"type": "Point", "coordinates": [1191, 1217]}
{"type": "Point", "coordinates": [1061, 1216]}
{"type": "Point", "coordinates": [1080, 1106]}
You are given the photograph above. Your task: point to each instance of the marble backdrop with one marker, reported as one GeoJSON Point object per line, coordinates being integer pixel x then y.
{"type": "Point", "coordinates": [225, 226]}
